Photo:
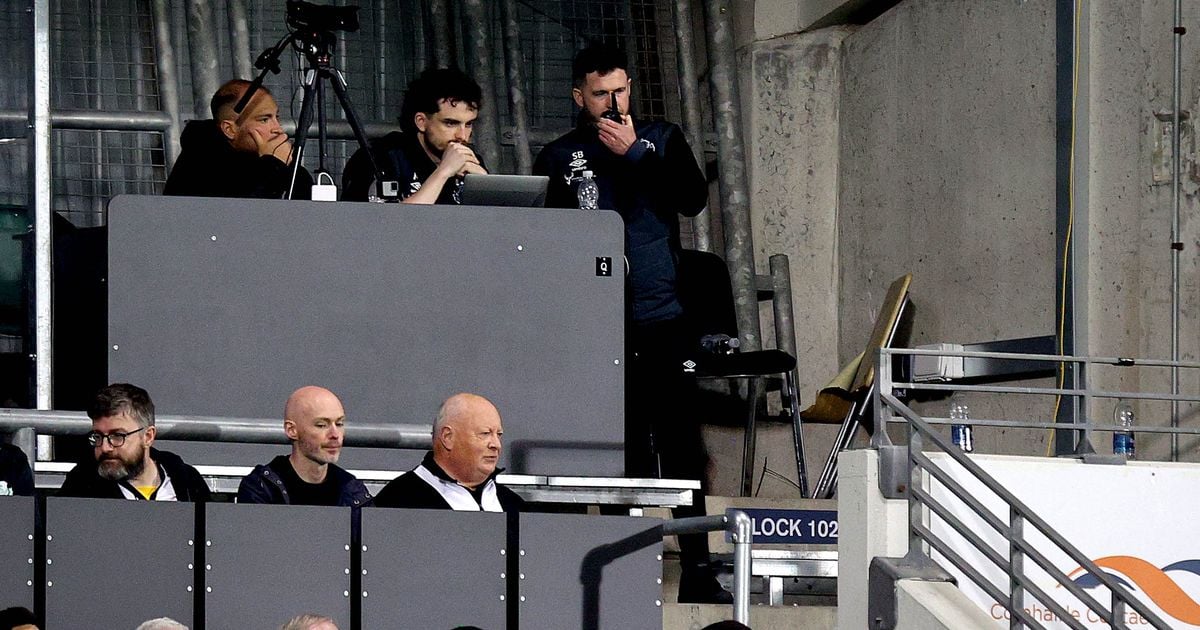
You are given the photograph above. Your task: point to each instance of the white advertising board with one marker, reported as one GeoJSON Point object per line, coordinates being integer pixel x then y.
{"type": "Point", "coordinates": [1139, 522]}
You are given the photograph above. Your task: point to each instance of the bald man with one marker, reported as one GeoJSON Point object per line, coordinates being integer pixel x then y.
{"type": "Point", "coordinates": [314, 421]}
{"type": "Point", "coordinates": [235, 154]}
{"type": "Point", "coordinates": [460, 472]}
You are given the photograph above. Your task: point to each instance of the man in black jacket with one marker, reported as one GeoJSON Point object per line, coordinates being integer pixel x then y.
{"type": "Point", "coordinates": [127, 466]}
{"type": "Point", "coordinates": [430, 156]}
{"type": "Point", "coordinates": [460, 472]}
{"type": "Point", "coordinates": [243, 155]}
{"type": "Point", "coordinates": [646, 172]}
{"type": "Point", "coordinates": [314, 420]}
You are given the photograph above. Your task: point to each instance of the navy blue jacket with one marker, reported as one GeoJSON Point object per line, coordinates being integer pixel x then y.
{"type": "Point", "coordinates": [403, 160]}
{"type": "Point", "coordinates": [263, 485]}
{"type": "Point", "coordinates": [650, 186]}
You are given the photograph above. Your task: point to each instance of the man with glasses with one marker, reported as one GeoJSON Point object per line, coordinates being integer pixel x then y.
{"type": "Point", "coordinates": [127, 466]}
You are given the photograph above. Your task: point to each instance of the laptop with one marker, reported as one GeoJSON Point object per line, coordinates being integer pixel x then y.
{"type": "Point", "coordinates": [525, 191]}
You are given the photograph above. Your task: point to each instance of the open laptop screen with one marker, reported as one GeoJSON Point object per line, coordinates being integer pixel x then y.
{"type": "Point", "coordinates": [525, 191]}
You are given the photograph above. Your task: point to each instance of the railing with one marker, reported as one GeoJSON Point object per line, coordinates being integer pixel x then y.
{"type": "Point", "coordinates": [741, 529]}
{"type": "Point", "coordinates": [924, 434]}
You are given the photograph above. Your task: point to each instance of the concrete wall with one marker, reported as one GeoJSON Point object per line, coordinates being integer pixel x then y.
{"type": "Point", "coordinates": [947, 172]}
{"type": "Point", "coordinates": [924, 142]}
{"type": "Point", "coordinates": [1129, 212]}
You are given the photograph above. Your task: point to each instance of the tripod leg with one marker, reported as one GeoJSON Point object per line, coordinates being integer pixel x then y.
{"type": "Point", "coordinates": [339, 89]}
{"type": "Point", "coordinates": [306, 114]}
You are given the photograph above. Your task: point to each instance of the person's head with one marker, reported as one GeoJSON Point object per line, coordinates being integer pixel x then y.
{"type": "Point", "coordinates": [162, 623]}
{"type": "Point", "coordinates": [598, 72]}
{"type": "Point", "coordinates": [314, 421]}
{"type": "Point", "coordinates": [261, 114]}
{"type": "Point", "coordinates": [17, 618]}
{"type": "Point", "coordinates": [466, 438]}
{"type": "Point", "coordinates": [440, 107]}
{"type": "Point", "coordinates": [122, 430]}
{"type": "Point", "coordinates": [310, 622]}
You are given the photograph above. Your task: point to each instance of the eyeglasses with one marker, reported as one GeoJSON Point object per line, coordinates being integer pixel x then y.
{"type": "Point", "coordinates": [115, 440]}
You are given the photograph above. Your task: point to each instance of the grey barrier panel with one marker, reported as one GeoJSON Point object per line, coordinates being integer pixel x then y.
{"type": "Point", "coordinates": [114, 564]}
{"type": "Point", "coordinates": [223, 307]}
{"type": "Point", "coordinates": [265, 564]}
{"type": "Point", "coordinates": [433, 569]}
{"type": "Point", "coordinates": [16, 551]}
{"type": "Point", "coordinates": [590, 572]}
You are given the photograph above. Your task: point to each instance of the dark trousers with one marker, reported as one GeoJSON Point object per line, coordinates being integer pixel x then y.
{"type": "Point", "coordinates": [662, 433]}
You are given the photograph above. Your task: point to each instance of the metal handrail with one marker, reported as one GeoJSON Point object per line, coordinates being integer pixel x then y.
{"type": "Point", "coordinates": [214, 429]}
{"type": "Point", "coordinates": [741, 530]}
{"type": "Point", "coordinates": [1020, 548]}
{"type": "Point", "coordinates": [1081, 394]}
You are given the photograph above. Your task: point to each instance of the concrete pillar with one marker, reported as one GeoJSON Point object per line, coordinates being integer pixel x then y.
{"type": "Point", "coordinates": [868, 526]}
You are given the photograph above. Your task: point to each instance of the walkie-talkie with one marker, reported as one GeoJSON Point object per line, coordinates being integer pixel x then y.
{"type": "Point", "coordinates": [613, 112]}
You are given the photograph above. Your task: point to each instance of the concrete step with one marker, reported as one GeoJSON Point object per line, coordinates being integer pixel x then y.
{"type": "Point", "coordinates": [697, 616]}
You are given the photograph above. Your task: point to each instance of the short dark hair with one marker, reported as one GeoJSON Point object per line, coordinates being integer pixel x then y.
{"type": "Point", "coordinates": [598, 58]}
{"type": "Point", "coordinates": [433, 86]}
{"type": "Point", "coordinates": [123, 397]}
{"type": "Point", "coordinates": [16, 616]}
{"type": "Point", "coordinates": [229, 94]}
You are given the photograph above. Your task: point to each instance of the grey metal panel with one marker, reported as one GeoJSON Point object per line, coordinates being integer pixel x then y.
{"type": "Point", "coordinates": [16, 551]}
{"type": "Point", "coordinates": [445, 571]}
{"type": "Point", "coordinates": [590, 572]}
{"type": "Point", "coordinates": [101, 551]}
{"type": "Point", "coordinates": [268, 563]}
{"type": "Point", "coordinates": [223, 307]}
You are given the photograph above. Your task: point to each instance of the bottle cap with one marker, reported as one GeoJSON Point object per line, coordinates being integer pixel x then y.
{"type": "Point", "coordinates": [587, 174]}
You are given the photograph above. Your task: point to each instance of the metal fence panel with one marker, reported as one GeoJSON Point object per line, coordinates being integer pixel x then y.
{"type": "Point", "coordinates": [590, 572]}
{"type": "Point", "coordinates": [445, 559]}
{"type": "Point", "coordinates": [394, 307]}
{"type": "Point", "coordinates": [16, 551]}
{"type": "Point", "coordinates": [115, 564]}
{"type": "Point", "coordinates": [265, 564]}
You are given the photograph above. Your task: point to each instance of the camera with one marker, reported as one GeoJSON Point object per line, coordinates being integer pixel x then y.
{"type": "Point", "coordinates": [306, 16]}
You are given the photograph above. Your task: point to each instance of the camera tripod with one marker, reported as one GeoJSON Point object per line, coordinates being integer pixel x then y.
{"type": "Point", "coordinates": [316, 45]}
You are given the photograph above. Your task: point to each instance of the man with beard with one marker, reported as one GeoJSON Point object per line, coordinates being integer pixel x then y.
{"type": "Point", "coordinates": [127, 466]}
{"type": "Point", "coordinates": [460, 472]}
{"type": "Point", "coordinates": [315, 422]}
{"type": "Point", "coordinates": [646, 172]}
{"type": "Point", "coordinates": [430, 155]}
{"type": "Point", "coordinates": [244, 155]}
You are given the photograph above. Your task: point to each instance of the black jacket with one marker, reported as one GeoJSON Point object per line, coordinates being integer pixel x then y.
{"type": "Point", "coordinates": [403, 160]}
{"type": "Point", "coordinates": [84, 481]}
{"type": "Point", "coordinates": [208, 166]}
{"type": "Point", "coordinates": [15, 470]}
{"type": "Point", "coordinates": [410, 491]}
{"type": "Point", "coordinates": [650, 186]}
{"type": "Point", "coordinates": [263, 485]}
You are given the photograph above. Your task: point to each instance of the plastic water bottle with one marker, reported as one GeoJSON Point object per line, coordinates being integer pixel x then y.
{"type": "Point", "coordinates": [588, 192]}
{"type": "Point", "coordinates": [1123, 439]}
{"type": "Point", "coordinates": [960, 432]}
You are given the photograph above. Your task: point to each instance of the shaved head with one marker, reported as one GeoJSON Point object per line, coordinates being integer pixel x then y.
{"type": "Point", "coordinates": [314, 421]}
{"type": "Point", "coordinates": [466, 438]}
{"type": "Point", "coordinates": [307, 400]}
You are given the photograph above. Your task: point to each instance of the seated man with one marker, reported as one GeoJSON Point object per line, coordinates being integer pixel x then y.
{"type": "Point", "coordinates": [127, 466]}
{"type": "Point", "coordinates": [460, 472]}
{"type": "Point", "coordinates": [430, 156]}
{"type": "Point", "coordinates": [243, 155]}
{"type": "Point", "coordinates": [16, 477]}
{"type": "Point", "coordinates": [314, 421]}
{"type": "Point", "coordinates": [309, 622]}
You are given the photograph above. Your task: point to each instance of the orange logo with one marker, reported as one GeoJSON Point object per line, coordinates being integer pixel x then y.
{"type": "Point", "coordinates": [1154, 582]}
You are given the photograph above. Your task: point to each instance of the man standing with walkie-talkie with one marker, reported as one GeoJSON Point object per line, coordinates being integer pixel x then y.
{"type": "Point", "coordinates": [645, 171]}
